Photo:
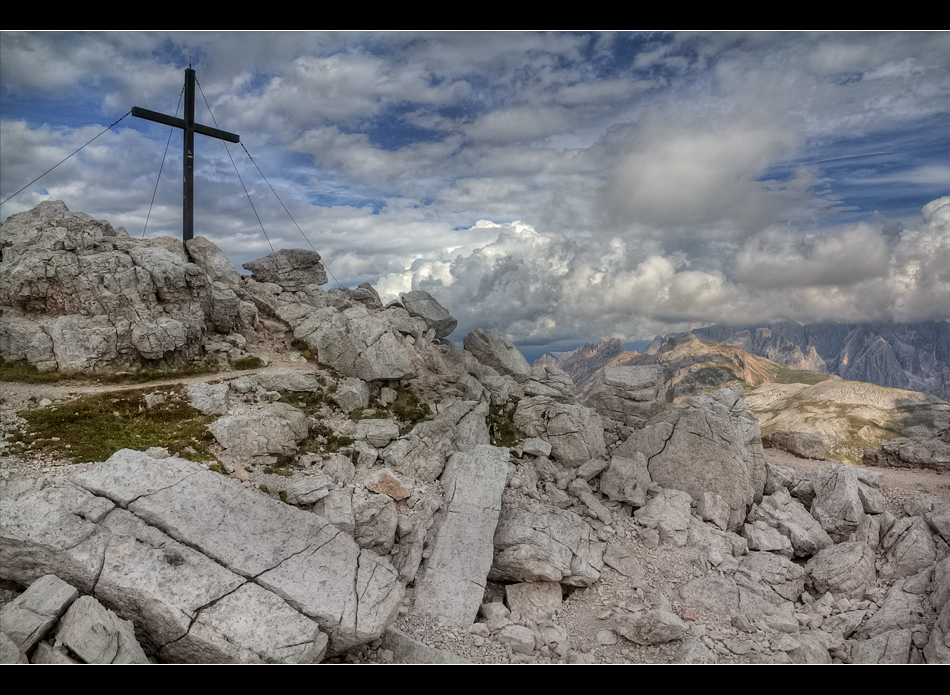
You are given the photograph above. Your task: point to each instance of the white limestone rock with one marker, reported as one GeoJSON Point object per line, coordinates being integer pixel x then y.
{"type": "Point", "coordinates": [491, 347]}
{"type": "Point", "coordinates": [293, 269]}
{"type": "Point", "coordinates": [351, 593]}
{"type": "Point", "coordinates": [422, 454]}
{"type": "Point", "coordinates": [422, 305]}
{"type": "Point", "coordinates": [705, 444]}
{"type": "Point", "coordinates": [535, 542]}
{"type": "Point", "coordinates": [453, 582]}
{"type": "Point", "coordinates": [631, 394]}
{"type": "Point", "coordinates": [30, 616]}
{"type": "Point", "coordinates": [273, 430]}
{"type": "Point", "coordinates": [97, 635]}
{"type": "Point", "coordinates": [210, 399]}
{"type": "Point", "coordinates": [575, 433]}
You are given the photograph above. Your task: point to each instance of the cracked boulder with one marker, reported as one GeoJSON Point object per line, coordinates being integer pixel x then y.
{"type": "Point", "coordinates": [199, 563]}
{"type": "Point", "coordinates": [274, 430]}
{"type": "Point", "coordinates": [575, 432]}
{"type": "Point", "coordinates": [705, 444]}
{"type": "Point", "coordinates": [452, 584]}
{"type": "Point", "coordinates": [361, 342]}
{"type": "Point", "coordinates": [538, 543]}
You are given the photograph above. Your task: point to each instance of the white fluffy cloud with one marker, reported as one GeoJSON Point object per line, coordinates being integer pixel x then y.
{"type": "Point", "coordinates": [544, 289]}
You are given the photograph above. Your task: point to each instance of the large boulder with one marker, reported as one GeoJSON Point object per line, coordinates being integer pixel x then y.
{"type": "Point", "coordinates": [185, 539]}
{"type": "Point", "coordinates": [705, 444]}
{"type": "Point", "coordinates": [273, 430]}
{"type": "Point", "coordinates": [491, 347]}
{"type": "Point", "coordinates": [786, 515]}
{"type": "Point", "coordinates": [422, 305]}
{"type": "Point", "coordinates": [357, 341]}
{"type": "Point", "coordinates": [923, 451]}
{"type": "Point", "coordinates": [575, 432]}
{"type": "Point", "coordinates": [836, 499]}
{"type": "Point", "coordinates": [630, 395]}
{"type": "Point", "coordinates": [453, 581]}
{"type": "Point", "coordinates": [538, 543]}
{"type": "Point", "coordinates": [292, 269]}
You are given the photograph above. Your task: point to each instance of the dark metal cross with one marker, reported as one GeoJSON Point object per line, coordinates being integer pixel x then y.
{"type": "Point", "coordinates": [190, 127]}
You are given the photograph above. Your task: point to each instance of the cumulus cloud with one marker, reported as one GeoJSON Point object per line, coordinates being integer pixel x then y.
{"type": "Point", "coordinates": [778, 258]}
{"type": "Point", "coordinates": [543, 288]}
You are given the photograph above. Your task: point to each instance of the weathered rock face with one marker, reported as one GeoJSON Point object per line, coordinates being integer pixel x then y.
{"type": "Point", "coordinates": [491, 347]}
{"type": "Point", "coordinates": [77, 295]}
{"type": "Point", "coordinates": [630, 395]}
{"type": "Point", "coordinates": [898, 355]}
{"type": "Point", "coordinates": [705, 444]}
{"type": "Point", "coordinates": [293, 269]}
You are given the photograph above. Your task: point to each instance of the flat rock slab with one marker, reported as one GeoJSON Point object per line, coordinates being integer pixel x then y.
{"type": "Point", "coordinates": [453, 585]}
{"type": "Point", "coordinates": [351, 592]}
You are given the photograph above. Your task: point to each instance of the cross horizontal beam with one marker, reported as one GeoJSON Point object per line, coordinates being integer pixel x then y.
{"type": "Point", "coordinates": [180, 123]}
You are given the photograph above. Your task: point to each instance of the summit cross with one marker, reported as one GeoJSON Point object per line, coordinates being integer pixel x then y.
{"type": "Point", "coordinates": [188, 125]}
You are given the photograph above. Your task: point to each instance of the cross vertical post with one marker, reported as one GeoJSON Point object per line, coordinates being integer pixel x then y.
{"type": "Point", "coordinates": [188, 157]}
{"type": "Point", "coordinates": [188, 125]}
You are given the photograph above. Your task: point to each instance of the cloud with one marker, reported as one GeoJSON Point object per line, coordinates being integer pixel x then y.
{"type": "Point", "coordinates": [543, 288]}
{"type": "Point", "coordinates": [779, 258]}
{"type": "Point", "coordinates": [636, 183]}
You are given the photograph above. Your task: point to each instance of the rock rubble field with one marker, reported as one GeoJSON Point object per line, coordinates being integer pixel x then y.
{"type": "Point", "coordinates": [363, 491]}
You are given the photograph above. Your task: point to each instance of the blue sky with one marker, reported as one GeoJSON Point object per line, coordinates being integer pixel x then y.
{"type": "Point", "coordinates": [564, 187]}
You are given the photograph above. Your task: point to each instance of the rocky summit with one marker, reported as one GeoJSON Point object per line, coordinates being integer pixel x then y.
{"type": "Point", "coordinates": [345, 485]}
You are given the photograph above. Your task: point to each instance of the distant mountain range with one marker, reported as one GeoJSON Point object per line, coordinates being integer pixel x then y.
{"type": "Point", "coordinates": [849, 416]}
{"type": "Point", "coordinates": [690, 366]}
{"type": "Point", "coordinates": [911, 356]}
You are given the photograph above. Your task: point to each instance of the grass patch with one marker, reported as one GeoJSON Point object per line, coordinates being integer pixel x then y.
{"type": "Point", "coordinates": [249, 362]}
{"type": "Point", "coordinates": [501, 426]}
{"type": "Point", "coordinates": [304, 349]}
{"type": "Point", "coordinates": [94, 427]}
{"type": "Point", "coordinates": [308, 401]}
{"type": "Point", "coordinates": [23, 372]}
{"type": "Point", "coordinates": [407, 410]}
{"type": "Point", "coordinates": [783, 374]}
{"type": "Point", "coordinates": [322, 438]}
